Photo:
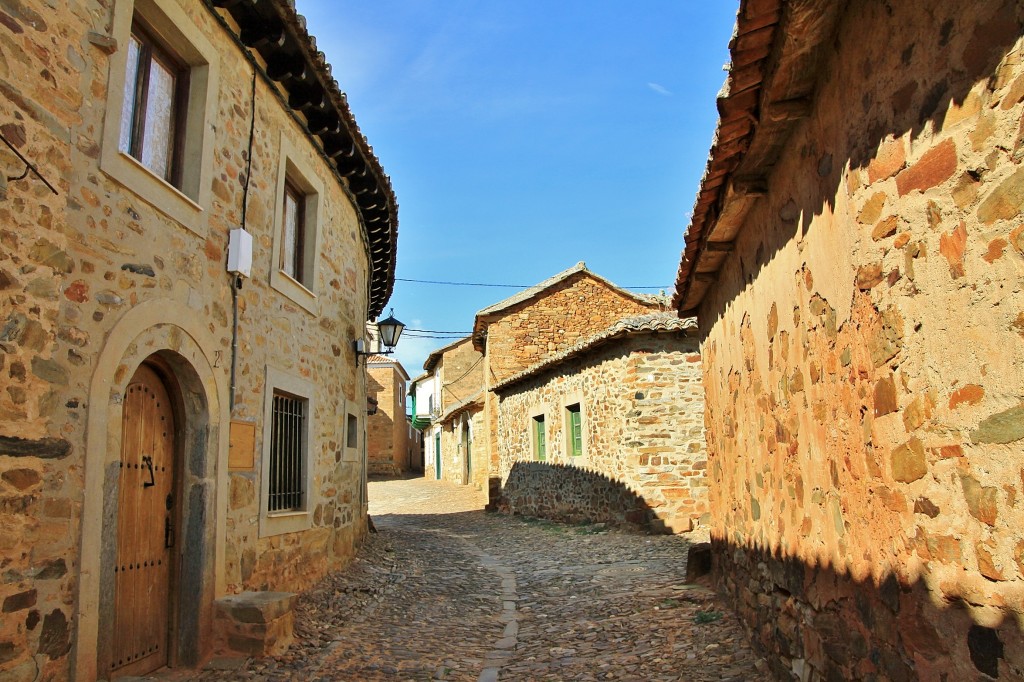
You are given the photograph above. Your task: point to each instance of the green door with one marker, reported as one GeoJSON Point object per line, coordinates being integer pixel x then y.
{"type": "Point", "coordinates": [437, 455]}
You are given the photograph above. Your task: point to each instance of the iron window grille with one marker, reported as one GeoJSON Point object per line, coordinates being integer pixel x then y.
{"type": "Point", "coordinates": [287, 453]}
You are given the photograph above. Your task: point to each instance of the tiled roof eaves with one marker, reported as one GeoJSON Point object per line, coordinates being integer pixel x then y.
{"type": "Point", "coordinates": [385, 361]}
{"type": "Point", "coordinates": [776, 53]}
{"type": "Point", "coordinates": [475, 400]}
{"type": "Point", "coordinates": [434, 356]}
{"type": "Point", "coordinates": [629, 326]}
{"type": "Point", "coordinates": [275, 31]}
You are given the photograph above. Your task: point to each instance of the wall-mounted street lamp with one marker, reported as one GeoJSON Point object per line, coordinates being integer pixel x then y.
{"type": "Point", "coordinates": [389, 330]}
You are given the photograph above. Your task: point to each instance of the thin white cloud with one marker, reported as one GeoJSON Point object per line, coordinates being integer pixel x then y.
{"type": "Point", "coordinates": [660, 89]}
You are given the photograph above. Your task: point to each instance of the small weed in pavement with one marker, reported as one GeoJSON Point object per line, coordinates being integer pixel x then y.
{"type": "Point", "coordinates": [669, 603]}
{"type": "Point", "coordinates": [707, 616]}
{"type": "Point", "coordinates": [544, 524]}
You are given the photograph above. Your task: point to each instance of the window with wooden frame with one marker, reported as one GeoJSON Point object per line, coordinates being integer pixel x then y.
{"type": "Point", "coordinates": [293, 240]}
{"type": "Point", "coordinates": [155, 103]}
{"type": "Point", "coordinates": [287, 454]}
{"type": "Point", "coordinates": [298, 217]}
{"type": "Point", "coordinates": [574, 430]}
{"type": "Point", "coordinates": [540, 449]}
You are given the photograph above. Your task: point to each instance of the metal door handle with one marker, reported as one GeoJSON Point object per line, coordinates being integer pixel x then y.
{"type": "Point", "coordinates": [168, 533]}
{"type": "Point", "coordinates": [148, 461]}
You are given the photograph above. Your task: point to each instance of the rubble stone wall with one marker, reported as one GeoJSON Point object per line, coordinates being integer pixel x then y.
{"type": "Point", "coordinates": [462, 374]}
{"type": "Point", "coordinates": [528, 332]}
{"type": "Point", "coordinates": [387, 430]}
{"type": "Point", "coordinates": [642, 412]}
{"type": "Point", "coordinates": [73, 266]}
{"type": "Point", "coordinates": [562, 316]}
{"type": "Point", "coordinates": [453, 450]}
{"type": "Point", "coordinates": [864, 361]}
{"type": "Point", "coordinates": [566, 493]}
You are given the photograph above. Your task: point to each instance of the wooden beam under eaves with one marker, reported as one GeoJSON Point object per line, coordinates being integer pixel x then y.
{"type": "Point", "coordinates": [789, 110]}
{"type": "Point", "coordinates": [259, 35]}
{"type": "Point", "coordinates": [281, 66]}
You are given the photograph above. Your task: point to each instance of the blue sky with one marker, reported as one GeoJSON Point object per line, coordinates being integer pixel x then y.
{"type": "Point", "coordinates": [523, 137]}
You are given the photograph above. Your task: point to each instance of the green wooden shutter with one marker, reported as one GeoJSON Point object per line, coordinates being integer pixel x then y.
{"type": "Point", "coordinates": [538, 423]}
{"type": "Point", "coordinates": [576, 432]}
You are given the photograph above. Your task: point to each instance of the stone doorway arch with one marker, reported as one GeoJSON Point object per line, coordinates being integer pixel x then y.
{"type": "Point", "coordinates": [159, 334]}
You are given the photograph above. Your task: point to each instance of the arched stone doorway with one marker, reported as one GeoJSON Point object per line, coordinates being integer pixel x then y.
{"type": "Point", "coordinates": [178, 358]}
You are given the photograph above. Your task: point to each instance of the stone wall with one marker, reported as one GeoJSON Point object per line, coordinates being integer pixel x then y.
{"type": "Point", "coordinates": [558, 318]}
{"type": "Point", "coordinates": [569, 494]}
{"type": "Point", "coordinates": [387, 431]}
{"type": "Point", "coordinates": [642, 414]}
{"type": "Point", "coordinates": [462, 374]}
{"type": "Point", "coordinates": [79, 269]}
{"type": "Point", "coordinates": [864, 361]}
{"type": "Point", "coordinates": [453, 450]}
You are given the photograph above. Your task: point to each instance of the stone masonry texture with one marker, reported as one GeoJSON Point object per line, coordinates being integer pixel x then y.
{"type": "Point", "coordinates": [552, 321]}
{"type": "Point", "coordinates": [74, 266]}
{"type": "Point", "coordinates": [864, 361]}
{"type": "Point", "coordinates": [387, 431]}
{"type": "Point", "coordinates": [642, 414]}
{"type": "Point", "coordinates": [459, 370]}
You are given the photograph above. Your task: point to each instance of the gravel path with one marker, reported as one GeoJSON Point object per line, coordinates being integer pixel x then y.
{"type": "Point", "coordinates": [445, 591]}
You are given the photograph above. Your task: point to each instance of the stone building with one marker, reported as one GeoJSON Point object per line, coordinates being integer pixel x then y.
{"type": "Point", "coordinates": [166, 427]}
{"type": "Point", "coordinates": [537, 323]}
{"type": "Point", "coordinates": [626, 403]}
{"type": "Point", "coordinates": [388, 451]}
{"type": "Point", "coordinates": [855, 259]}
{"type": "Point", "coordinates": [449, 396]}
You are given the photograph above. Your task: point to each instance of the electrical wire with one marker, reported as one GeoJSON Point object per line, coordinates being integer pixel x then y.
{"type": "Point", "coordinates": [463, 375]}
{"type": "Point", "coordinates": [503, 286]}
{"type": "Point", "coordinates": [236, 280]}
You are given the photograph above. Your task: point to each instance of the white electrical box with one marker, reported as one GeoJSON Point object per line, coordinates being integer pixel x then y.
{"type": "Point", "coordinates": [239, 252]}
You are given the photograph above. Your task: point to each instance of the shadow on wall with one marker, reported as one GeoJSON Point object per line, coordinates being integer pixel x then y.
{"type": "Point", "coordinates": [920, 95]}
{"type": "Point", "coordinates": [562, 492]}
{"type": "Point", "coordinates": [860, 628]}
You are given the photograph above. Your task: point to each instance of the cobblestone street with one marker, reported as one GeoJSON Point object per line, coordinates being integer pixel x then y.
{"type": "Point", "coordinates": [445, 591]}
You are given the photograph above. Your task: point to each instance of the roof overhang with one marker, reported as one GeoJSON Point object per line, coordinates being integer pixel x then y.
{"type": "Point", "coordinates": [275, 38]}
{"type": "Point", "coordinates": [431, 362]}
{"type": "Point", "coordinates": [777, 53]}
{"type": "Point", "coordinates": [474, 401]}
{"type": "Point", "coordinates": [631, 326]}
{"type": "Point", "coordinates": [493, 312]}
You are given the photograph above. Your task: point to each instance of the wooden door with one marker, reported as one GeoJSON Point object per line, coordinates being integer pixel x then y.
{"type": "Point", "coordinates": [145, 528]}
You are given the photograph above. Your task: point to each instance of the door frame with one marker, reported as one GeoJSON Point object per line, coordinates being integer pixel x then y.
{"type": "Point", "coordinates": [167, 331]}
{"type": "Point", "coordinates": [467, 442]}
{"type": "Point", "coordinates": [437, 455]}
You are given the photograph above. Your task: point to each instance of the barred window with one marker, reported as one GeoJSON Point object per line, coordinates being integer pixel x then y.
{"type": "Point", "coordinates": [287, 453]}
